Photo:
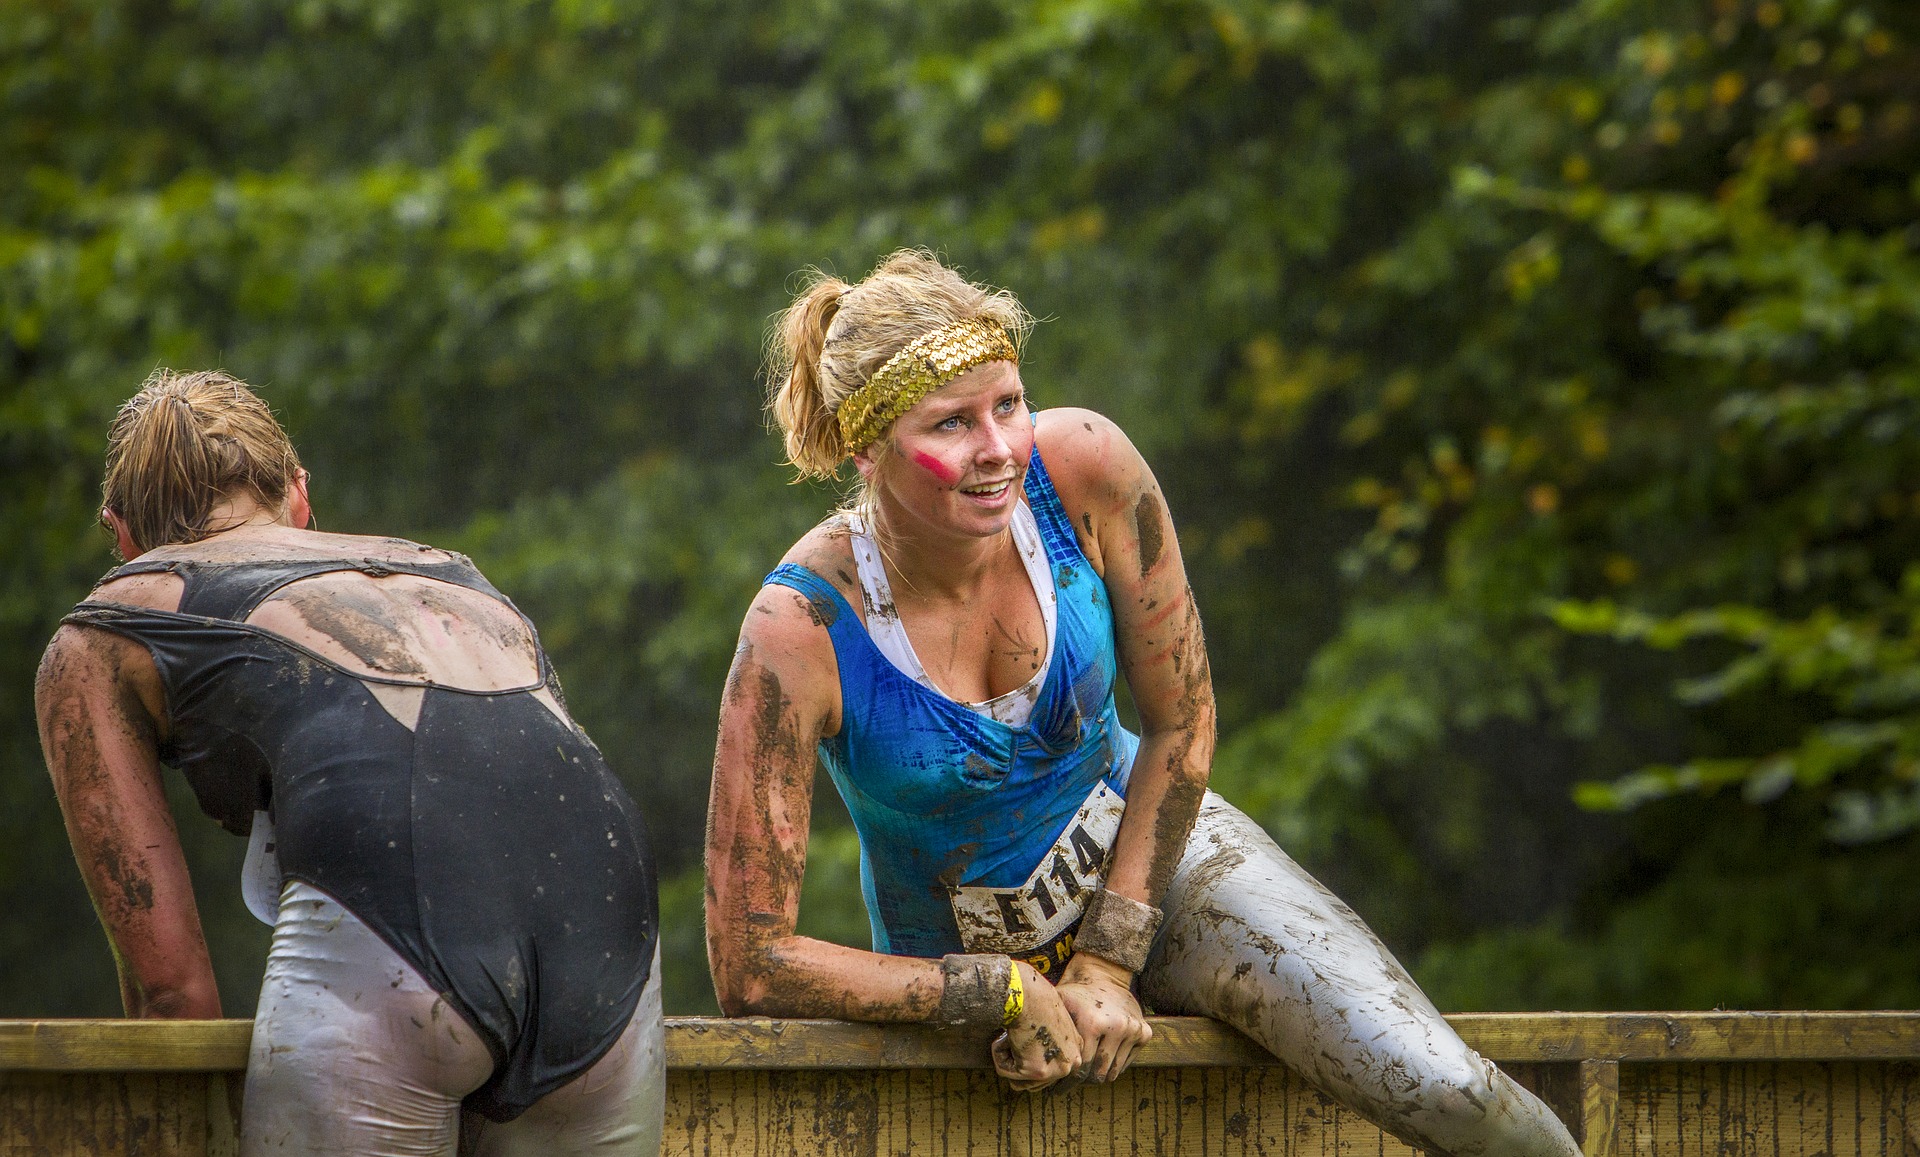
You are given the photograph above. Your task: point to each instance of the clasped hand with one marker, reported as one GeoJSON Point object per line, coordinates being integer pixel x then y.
{"type": "Point", "coordinates": [1088, 1025]}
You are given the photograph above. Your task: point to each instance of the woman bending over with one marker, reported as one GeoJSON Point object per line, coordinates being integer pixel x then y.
{"type": "Point", "coordinates": [462, 895]}
{"type": "Point", "coordinates": [947, 647]}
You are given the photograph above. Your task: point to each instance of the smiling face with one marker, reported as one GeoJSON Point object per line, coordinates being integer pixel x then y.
{"type": "Point", "coordinates": [957, 458]}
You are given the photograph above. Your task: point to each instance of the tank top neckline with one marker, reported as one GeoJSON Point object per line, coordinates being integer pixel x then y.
{"type": "Point", "coordinates": [889, 634]}
{"type": "Point", "coordinates": [843, 622]}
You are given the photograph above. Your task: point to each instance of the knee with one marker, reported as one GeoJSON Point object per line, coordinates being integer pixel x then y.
{"type": "Point", "coordinates": [1461, 1087]}
{"type": "Point", "coordinates": [1468, 1105]}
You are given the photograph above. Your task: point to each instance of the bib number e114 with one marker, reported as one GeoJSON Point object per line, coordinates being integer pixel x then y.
{"type": "Point", "coordinates": [1035, 922]}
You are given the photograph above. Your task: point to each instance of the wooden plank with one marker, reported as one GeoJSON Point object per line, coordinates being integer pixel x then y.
{"type": "Point", "coordinates": [702, 1043]}
{"type": "Point", "coordinates": [105, 1114]}
{"type": "Point", "coordinates": [1206, 1112]}
{"type": "Point", "coordinates": [1692, 1036]}
{"type": "Point", "coordinates": [136, 1046]}
{"type": "Point", "coordinates": [1179, 1042]}
{"type": "Point", "coordinates": [1599, 1108]}
{"type": "Point", "coordinates": [1666, 1109]}
{"type": "Point", "coordinates": [1783, 1109]}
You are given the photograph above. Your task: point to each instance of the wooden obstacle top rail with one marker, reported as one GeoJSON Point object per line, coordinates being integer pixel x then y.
{"type": "Point", "coordinates": [700, 1043]}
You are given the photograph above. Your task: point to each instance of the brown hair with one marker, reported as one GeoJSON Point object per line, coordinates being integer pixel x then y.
{"type": "Point", "coordinates": [183, 444]}
{"type": "Point", "coordinates": [835, 336]}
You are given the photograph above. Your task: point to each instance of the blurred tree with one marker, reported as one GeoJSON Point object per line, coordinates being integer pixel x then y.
{"type": "Point", "coordinates": [1508, 368]}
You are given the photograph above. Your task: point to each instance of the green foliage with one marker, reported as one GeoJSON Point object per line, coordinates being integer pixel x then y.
{"type": "Point", "coordinates": [1533, 385]}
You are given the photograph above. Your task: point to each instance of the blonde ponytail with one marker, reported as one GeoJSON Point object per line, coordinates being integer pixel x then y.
{"type": "Point", "coordinates": [798, 398]}
{"type": "Point", "coordinates": [184, 444]}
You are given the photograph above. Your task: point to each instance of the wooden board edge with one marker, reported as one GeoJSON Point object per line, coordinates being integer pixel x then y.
{"type": "Point", "coordinates": [1179, 1042]}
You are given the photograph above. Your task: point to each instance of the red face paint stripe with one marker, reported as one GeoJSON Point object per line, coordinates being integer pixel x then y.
{"type": "Point", "coordinates": [936, 468]}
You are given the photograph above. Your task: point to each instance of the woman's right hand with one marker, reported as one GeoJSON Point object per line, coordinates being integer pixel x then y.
{"type": "Point", "coordinates": [1043, 1046]}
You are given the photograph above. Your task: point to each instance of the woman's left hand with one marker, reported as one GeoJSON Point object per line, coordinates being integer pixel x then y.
{"type": "Point", "coordinates": [1099, 995]}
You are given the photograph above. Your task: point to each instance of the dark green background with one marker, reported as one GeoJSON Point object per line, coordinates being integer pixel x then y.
{"type": "Point", "coordinates": [1534, 386]}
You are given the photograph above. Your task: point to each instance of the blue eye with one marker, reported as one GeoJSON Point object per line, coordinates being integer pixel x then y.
{"type": "Point", "coordinates": [952, 423]}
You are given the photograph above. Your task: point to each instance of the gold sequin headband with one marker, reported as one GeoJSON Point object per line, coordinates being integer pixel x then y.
{"type": "Point", "coordinates": [925, 364]}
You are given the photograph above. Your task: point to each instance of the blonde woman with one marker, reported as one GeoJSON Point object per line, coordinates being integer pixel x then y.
{"type": "Point", "coordinates": [947, 647]}
{"type": "Point", "coordinates": [463, 900]}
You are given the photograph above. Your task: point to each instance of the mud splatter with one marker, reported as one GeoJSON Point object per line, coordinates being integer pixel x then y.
{"type": "Point", "coordinates": [1173, 824]}
{"type": "Point", "coordinates": [1049, 1049]}
{"type": "Point", "coordinates": [1019, 648]}
{"type": "Point", "coordinates": [366, 622]}
{"type": "Point", "coordinates": [1146, 522]}
{"type": "Point", "coordinates": [822, 610]}
{"type": "Point", "coordinates": [976, 770]}
{"type": "Point", "coordinates": [135, 890]}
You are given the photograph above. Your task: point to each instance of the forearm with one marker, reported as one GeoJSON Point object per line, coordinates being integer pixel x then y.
{"type": "Point", "coordinates": [798, 976]}
{"type": "Point", "coordinates": [159, 952]}
{"type": "Point", "coordinates": [1169, 777]}
{"type": "Point", "coordinates": [136, 875]}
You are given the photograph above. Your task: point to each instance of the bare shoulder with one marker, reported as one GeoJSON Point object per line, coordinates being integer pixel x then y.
{"type": "Point", "coordinates": [1097, 473]}
{"type": "Point", "coordinates": [1088, 455]}
{"type": "Point", "coordinates": [85, 668]}
{"type": "Point", "coordinates": [827, 550]}
{"type": "Point", "coordinates": [784, 662]}
{"type": "Point", "coordinates": [786, 630]}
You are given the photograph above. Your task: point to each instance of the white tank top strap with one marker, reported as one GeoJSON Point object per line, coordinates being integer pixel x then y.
{"type": "Point", "coordinates": [883, 622]}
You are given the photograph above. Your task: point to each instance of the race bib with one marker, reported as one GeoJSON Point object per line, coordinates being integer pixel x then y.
{"type": "Point", "coordinates": [1035, 922]}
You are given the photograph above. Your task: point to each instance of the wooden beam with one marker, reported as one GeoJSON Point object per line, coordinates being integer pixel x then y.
{"type": "Point", "coordinates": [1190, 1042]}
{"type": "Point", "coordinates": [127, 1046]}
{"type": "Point", "coordinates": [1692, 1036]}
{"type": "Point", "coordinates": [1178, 1042]}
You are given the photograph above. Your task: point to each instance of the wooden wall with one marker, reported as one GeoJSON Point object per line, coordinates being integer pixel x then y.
{"type": "Point", "coordinates": [1685, 1084]}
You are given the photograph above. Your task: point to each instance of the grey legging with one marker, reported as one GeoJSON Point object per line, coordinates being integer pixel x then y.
{"type": "Point", "coordinates": [1251, 939]}
{"type": "Point", "coordinates": [353, 1052]}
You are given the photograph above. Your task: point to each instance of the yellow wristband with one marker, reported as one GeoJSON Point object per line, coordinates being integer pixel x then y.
{"type": "Point", "coordinates": [1016, 995]}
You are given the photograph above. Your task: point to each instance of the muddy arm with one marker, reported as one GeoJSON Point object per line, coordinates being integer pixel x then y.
{"type": "Point", "coordinates": [782, 696]}
{"type": "Point", "coordinates": [97, 698]}
{"type": "Point", "coordinates": [1117, 509]}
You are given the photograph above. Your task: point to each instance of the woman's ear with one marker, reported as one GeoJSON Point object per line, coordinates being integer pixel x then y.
{"type": "Point", "coordinates": [124, 539]}
{"type": "Point", "coordinates": [863, 462]}
{"type": "Point", "coordinates": [299, 506]}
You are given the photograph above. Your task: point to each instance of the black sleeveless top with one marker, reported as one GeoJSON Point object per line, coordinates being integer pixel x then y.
{"type": "Point", "coordinates": [489, 845]}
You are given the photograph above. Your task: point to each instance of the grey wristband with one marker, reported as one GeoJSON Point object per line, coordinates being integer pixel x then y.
{"type": "Point", "coordinates": [975, 991]}
{"type": "Point", "coordinates": [1118, 929]}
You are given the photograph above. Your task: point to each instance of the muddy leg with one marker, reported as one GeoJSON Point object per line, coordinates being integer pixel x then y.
{"type": "Point", "coordinates": [1250, 938]}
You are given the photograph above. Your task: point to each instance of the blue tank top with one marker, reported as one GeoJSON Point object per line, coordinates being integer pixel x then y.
{"type": "Point", "coordinates": [977, 836]}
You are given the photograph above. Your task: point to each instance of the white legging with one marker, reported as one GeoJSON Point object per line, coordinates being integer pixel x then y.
{"type": "Point", "coordinates": [354, 1053]}
{"type": "Point", "coordinates": [1251, 939]}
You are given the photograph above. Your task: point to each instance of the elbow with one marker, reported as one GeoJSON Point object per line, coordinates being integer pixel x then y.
{"type": "Point", "coordinates": [742, 990]}
{"type": "Point", "coordinates": [739, 975]}
{"type": "Point", "coordinates": [730, 988]}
